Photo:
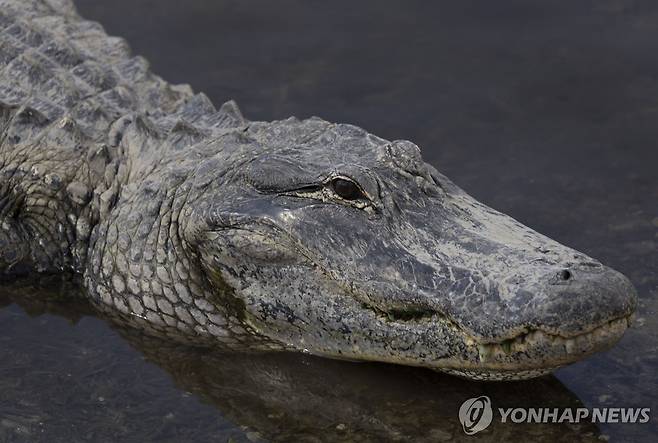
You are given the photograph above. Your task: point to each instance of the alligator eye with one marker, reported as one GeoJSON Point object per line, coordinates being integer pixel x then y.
{"type": "Point", "coordinates": [346, 189]}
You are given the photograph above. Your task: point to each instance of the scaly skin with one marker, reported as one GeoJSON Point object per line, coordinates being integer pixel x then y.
{"type": "Point", "coordinates": [199, 225]}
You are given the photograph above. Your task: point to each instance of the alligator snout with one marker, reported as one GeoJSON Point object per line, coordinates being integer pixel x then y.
{"type": "Point", "coordinates": [564, 301]}
{"type": "Point", "coordinates": [581, 298]}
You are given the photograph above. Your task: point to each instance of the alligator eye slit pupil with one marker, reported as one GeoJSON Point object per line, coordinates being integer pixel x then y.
{"type": "Point", "coordinates": [346, 189]}
{"type": "Point", "coordinates": [565, 275]}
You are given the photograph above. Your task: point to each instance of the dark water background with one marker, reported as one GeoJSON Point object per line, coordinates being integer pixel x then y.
{"type": "Point", "coordinates": [545, 110]}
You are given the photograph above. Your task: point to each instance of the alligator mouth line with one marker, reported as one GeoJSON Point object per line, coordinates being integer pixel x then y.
{"type": "Point", "coordinates": [578, 344]}
{"type": "Point", "coordinates": [404, 315]}
{"type": "Point", "coordinates": [573, 345]}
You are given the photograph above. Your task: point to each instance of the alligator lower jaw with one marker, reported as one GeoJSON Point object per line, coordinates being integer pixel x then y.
{"type": "Point", "coordinates": [499, 375]}
{"type": "Point", "coordinates": [536, 353]}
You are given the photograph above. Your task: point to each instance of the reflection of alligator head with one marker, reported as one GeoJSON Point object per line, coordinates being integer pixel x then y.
{"type": "Point", "coordinates": [296, 397]}
{"type": "Point", "coordinates": [302, 235]}
{"type": "Point", "coordinates": [292, 397]}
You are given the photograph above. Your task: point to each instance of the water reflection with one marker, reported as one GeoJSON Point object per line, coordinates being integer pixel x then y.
{"type": "Point", "coordinates": [294, 397]}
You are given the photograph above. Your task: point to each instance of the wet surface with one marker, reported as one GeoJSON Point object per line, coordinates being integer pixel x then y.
{"type": "Point", "coordinates": [546, 111]}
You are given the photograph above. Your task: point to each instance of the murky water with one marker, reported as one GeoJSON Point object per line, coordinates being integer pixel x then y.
{"type": "Point", "coordinates": [545, 110]}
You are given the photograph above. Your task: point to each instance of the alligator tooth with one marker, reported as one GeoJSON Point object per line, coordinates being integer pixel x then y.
{"type": "Point", "coordinates": [598, 334]}
{"type": "Point", "coordinates": [583, 341]}
{"type": "Point", "coordinates": [554, 339]}
{"type": "Point", "coordinates": [507, 346]}
{"type": "Point", "coordinates": [484, 351]}
{"type": "Point", "coordinates": [496, 350]}
{"type": "Point", "coordinates": [570, 345]}
{"type": "Point", "coordinates": [532, 338]}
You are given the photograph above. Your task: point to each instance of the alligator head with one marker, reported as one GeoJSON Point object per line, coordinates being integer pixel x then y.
{"type": "Point", "coordinates": [345, 245]}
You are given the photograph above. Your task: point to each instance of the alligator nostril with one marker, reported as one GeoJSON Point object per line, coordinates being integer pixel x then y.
{"type": "Point", "coordinates": [565, 274]}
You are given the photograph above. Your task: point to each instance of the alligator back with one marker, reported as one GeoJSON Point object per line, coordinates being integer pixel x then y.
{"type": "Point", "coordinates": [56, 64]}
{"type": "Point", "coordinates": [75, 106]}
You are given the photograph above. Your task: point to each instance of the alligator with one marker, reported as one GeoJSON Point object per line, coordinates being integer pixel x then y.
{"type": "Point", "coordinates": [198, 225]}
